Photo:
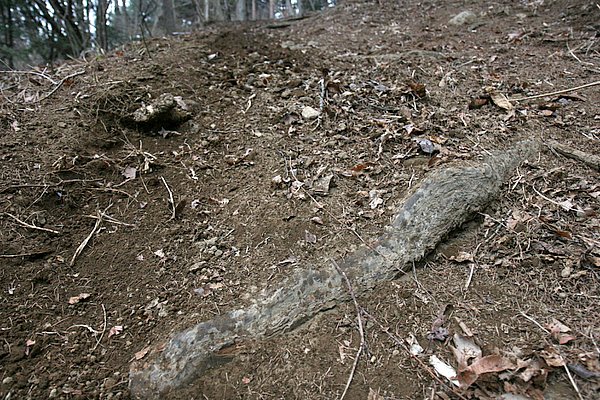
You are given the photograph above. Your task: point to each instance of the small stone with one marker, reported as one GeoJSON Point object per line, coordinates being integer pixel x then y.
{"type": "Point", "coordinates": [463, 18]}
{"type": "Point", "coordinates": [309, 113]}
{"type": "Point", "coordinates": [566, 272]}
{"type": "Point", "coordinates": [53, 393]}
{"type": "Point", "coordinates": [7, 381]}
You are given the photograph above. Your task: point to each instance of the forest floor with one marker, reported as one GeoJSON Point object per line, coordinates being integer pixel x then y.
{"type": "Point", "coordinates": [115, 235]}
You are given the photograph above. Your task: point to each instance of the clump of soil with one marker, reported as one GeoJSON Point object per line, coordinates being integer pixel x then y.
{"type": "Point", "coordinates": [115, 235]}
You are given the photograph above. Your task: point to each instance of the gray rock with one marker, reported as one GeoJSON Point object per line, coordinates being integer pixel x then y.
{"type": "Point", "coordinates": [463, 18]}
{"type": "Point", "coordinates": [309, 113]}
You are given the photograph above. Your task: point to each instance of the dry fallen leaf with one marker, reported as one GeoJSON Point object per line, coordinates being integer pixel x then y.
{"type": "Point", "coordinates": [142, 353]}
{"type": "Point", "coordinates": [78, 298]}
{"type": "Point", "coordinates": [499, 99]}
{"type": "Point", "coordinates": [115, 330]}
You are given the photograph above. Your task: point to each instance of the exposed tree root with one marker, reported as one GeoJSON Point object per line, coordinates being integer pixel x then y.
{"type": "Point", "coordinates": [440, 204]}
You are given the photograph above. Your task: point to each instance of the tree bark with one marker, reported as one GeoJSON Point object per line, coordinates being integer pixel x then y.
{"type": "Point", "coordinates": [439, 205]}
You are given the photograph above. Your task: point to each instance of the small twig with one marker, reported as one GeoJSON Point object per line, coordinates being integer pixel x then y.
{"type": "Point", "coordinates": [103, 329]}
{"type": "Point", "coordinates": [109, 219]}
{"type": "Point", "coordinates": [25, 224]}
{"type": "Point", "coordinates": [535, 322]}
{"type": "Point", "coordinates": [537, 96]}
{"type": "Point", "coordinates": [471, 271]}
{"type": "Point", "coordinates": [89, 328]}
{"type": "Point", "coordinates": [171, 201]}
{"type": "Point", "coordinates": [571, 379]}
{"type": "Point", "coordinates": [35, 253]}
{"type": "Point", "coordinates": [577, 58]}
{"type": "Point", "coordinates": [74, 74]}
{"type": "Point", "coordinates": [40, 74]}
{"type": "Point", "coordinates": [87, 239]}
{"type": "Point", "coordinates": [360, 329]}
{"type": "Point", "coordinates": [552, 201]}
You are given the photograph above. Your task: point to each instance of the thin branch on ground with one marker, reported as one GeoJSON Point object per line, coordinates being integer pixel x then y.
{"type": "Point", "coordinates": [87, 239]}
{"type": "Point", "coordinates": [25, 224]}
{"type": "Point", "coordinates": [171, 201]}
{"type": "Point", "coordinates": [34, 253]}
{"type": "Point", "coordinates": [535, 322]}
{"type": "Point", "coordinates": [103, 329]}
{"type": "Point", "coordinates": [63, 80]}
{"type": "Point", "coordinates": [360, 328]}
{"type": "Point", "coordinates": [538, 96]}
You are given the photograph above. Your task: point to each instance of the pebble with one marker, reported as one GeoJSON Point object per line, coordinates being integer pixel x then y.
{"type": "Point", "coordinates": [8, 380]}
{"type": "Point", "coordinates": [309, 113]}
{"type": "Point", "coordinates": [463, 18]}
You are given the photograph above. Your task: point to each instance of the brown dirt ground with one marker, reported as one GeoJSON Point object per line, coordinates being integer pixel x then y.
{"type": "Point", "coordinates": [534, 254]}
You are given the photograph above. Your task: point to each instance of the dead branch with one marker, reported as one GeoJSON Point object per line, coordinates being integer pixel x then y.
{"type": "Point", "coordinates": [32, 254]}
{"type": "Point", "coordinates": [588, 159]}
{"type": "Point", "coordinates": [441, 203]}
{"type": "Point", "coordinates": [63, 80]}
{"type": "Point", "coordinates": [25, 224]}
{"type": "Point", "coordinates": [361, 330]}
{"type": "Point", "coordinates": [87, 239]}
{"type": "Point", "coordinates": [171, 201]}
{"type": "Point", "coordinates": [538, 96]}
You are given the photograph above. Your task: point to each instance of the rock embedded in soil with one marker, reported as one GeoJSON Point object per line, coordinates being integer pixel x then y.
{"type": "Point", "coordinates": [444, 201]}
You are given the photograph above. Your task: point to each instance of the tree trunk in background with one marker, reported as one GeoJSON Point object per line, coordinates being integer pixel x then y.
{"type": "Point", "coordinates": [101, 30]}
{"type": "Point", "coordinates": [289, 11]}
{"type": "Point", "coordinates": [253, 10]}
{"type": "Point", "coordinates": [240, 10]}
{"type": "Point", "coordinates": [7, 28]}
{"type": "Point", "coordinates": [166, 21]}
{"type": "Point", "coordinates": [271, 9]}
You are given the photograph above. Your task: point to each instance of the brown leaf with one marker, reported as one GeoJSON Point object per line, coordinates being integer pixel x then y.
{"type": "Point", "coordinates": [500, 100]}
{"type": "Point", "coordinates": [478, 102]}
{"type": "Point", "coordinates": [417, 89]}
{"type": "Point", "coordinates": [142, 353]}
{"type": "Point", "coordinates": [491, 363]}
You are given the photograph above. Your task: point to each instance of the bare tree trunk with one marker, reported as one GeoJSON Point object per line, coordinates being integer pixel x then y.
{"type": "Point", "coordinates": [101, 30]}
{"type": "Point", "coordinates": [240, 10]}
{"type": "Point", "coordinates": [6, 19]}
{"type": "Point", "coordinates": [253, 10]}
{"type": "Point", "coordinates": [271, 9]}
{"type": "Point", "coordinates": [166, 21]}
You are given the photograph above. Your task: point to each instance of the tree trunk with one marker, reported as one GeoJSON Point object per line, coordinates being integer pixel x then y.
{"type": "Point", "coordinates": [101, 29]}
{"type": "Point", "coordinates": [240, 10]}
{"type": "Point", "coordinates": [166, 21]}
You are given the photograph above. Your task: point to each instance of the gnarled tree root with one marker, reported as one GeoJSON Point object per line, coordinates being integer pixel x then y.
{"type": "Point", "coordinates": [440, 204]}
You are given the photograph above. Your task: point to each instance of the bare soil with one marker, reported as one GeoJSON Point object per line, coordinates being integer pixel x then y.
{"type": "Point", "coordinates": [97, 262]}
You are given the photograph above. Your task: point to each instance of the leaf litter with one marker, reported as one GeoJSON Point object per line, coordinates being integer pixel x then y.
{"type": "Point", "coordinates": [401, 99]}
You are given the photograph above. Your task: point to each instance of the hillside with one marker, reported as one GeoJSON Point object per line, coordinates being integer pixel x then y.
{"type": "Point", "coordinates": [289, 144]}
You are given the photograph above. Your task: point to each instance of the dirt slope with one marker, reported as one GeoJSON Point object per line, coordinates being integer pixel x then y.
{"type": "Point", "coordinates": [258, 189]}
